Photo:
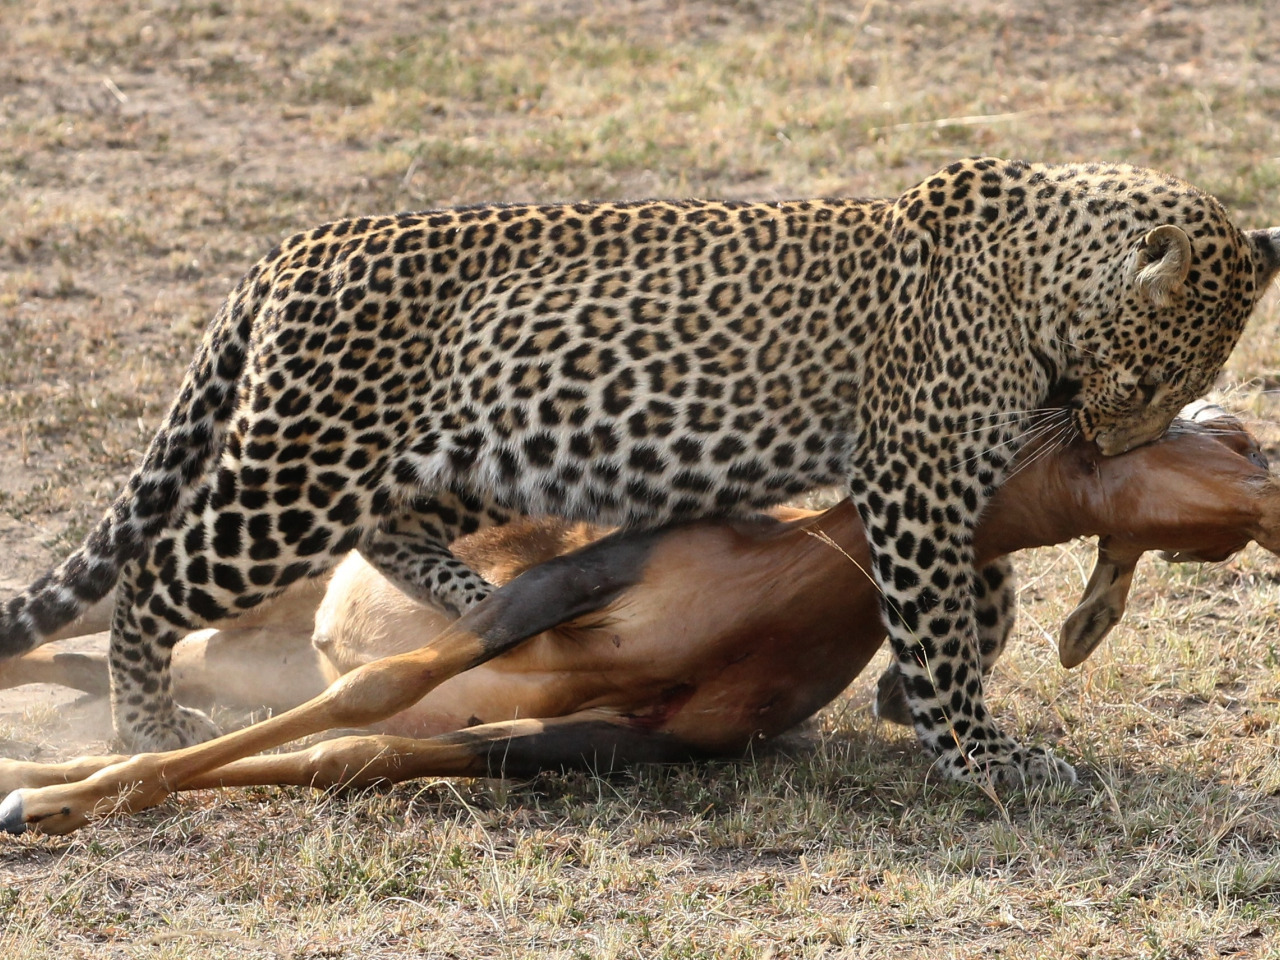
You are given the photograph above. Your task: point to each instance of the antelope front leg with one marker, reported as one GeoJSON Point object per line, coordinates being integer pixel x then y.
{"type": "Point", "coordinates": [87, 672]}
{"type": "Point", "coordinates": [1101, 606]}
{"type": "Point", "coordinates": [543, 597]}
{"type": "Point", "coordinates": [80, 671]}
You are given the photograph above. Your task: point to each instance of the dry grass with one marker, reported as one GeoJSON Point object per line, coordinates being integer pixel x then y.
{"type": "Point", "coordinates": [149, 152]}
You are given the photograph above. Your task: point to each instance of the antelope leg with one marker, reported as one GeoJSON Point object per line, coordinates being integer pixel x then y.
{"type": "Point", "coordinates": [596, 739]}
{"type": "Point", "coordinates": [547, 595]}
{"type": "Point", "coordinates": [1101, 607]}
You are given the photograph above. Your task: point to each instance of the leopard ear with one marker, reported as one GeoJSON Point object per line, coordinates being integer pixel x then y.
{"type": "Point", "coordinates": [1163, 262]}
{"type": "Point", "coordinates": [1265, 245]}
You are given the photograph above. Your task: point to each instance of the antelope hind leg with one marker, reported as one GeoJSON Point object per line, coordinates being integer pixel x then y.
{"type": "Point", "coordinates": [594, 739]}
{"type": "Point", "coordinates": [80, 671]}
{"type": "Point", "coordinates": [547, 595]}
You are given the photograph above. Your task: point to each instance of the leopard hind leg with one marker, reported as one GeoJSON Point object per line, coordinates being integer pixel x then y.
{"type": "Point", "coordinates": [411, 548]}
{"type": "Point", "coordinates": [222, 557]}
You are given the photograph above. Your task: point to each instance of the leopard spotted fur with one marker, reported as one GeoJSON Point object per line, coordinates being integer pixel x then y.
{"type": "Point", "coordinates": [389, 383]}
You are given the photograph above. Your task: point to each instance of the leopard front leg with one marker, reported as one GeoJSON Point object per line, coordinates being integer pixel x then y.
{"type": "Point", "coordinates": [921, 537]}
{"type": "Point", "coordinates": [995, 606]}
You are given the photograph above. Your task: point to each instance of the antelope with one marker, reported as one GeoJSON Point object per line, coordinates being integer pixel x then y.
{"type": "Point", "coordinates": [639, 646]}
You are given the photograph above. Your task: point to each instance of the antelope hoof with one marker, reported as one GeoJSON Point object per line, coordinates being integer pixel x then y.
{"type": "Point", "coordinates": [48, 810]}
{"type": "Point", "coordinates": [12, 819]}
{"type": "Point", "coordinates": [891, 698]}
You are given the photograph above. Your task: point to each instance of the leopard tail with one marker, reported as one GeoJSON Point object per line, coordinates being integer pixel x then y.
{"type": "Point", "coordinates": [180, 454]}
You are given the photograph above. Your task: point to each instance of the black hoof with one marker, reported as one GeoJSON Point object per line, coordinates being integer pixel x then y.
{"type": "Point", "coordinates": [11, 815]}
{"type": "Point", "coordinates": [891, 698]}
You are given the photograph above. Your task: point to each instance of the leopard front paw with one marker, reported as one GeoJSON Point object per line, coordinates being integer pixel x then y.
{"type": "Point", "coordinates": [1006, 767]}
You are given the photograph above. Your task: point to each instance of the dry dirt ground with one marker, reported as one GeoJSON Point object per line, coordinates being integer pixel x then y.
{"type": "Point", "coordinates": [150, 151]}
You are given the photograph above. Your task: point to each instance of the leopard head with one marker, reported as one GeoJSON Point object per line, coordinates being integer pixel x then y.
{"type": "Point", "coordinates": [1168, 309]}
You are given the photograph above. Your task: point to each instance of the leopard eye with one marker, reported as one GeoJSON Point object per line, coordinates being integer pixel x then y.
{"type": "Point", "coordinates": [1146, 388]}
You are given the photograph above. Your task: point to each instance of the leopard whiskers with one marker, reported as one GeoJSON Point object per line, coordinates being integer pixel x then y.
{"type": "Point", "coordinates": [1055, 442]}
{"type": "Point", "coordinates": [1007, 418]}
{"type": "Point", "coordinates": [1054, 416]}
{"type": "Point", "coordinates": [1002, 414]}
{"type": "Point", "coordinates": [1042, 428]}
{"type": "Point", "coordinates": [1076, 348]}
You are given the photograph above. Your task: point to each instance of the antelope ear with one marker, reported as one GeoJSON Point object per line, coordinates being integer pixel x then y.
{"type": "Point", "coordinates": [1163, 262]}
{"type": "Point", "coordinates": [1266, 255]}
{"type": "Point", "coordinates": [1101, 607]}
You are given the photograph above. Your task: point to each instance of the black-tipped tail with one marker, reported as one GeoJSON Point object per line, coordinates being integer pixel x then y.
{"type": "Point", "coordinates": [56, 599]}
{"type": "Point", "coordinates": [18, 632]}
{"type": "Point", "coordinates": [177, 459]}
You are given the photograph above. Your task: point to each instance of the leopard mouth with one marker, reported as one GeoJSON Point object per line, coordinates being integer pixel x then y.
{"type": "Point", "coordinates": [1064, 392]}
{"type": "Point", "coordinates": [1121, 438]}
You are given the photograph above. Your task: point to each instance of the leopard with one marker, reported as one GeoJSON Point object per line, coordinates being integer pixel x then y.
{"type": "Point", "coordinates": [391, 383]}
